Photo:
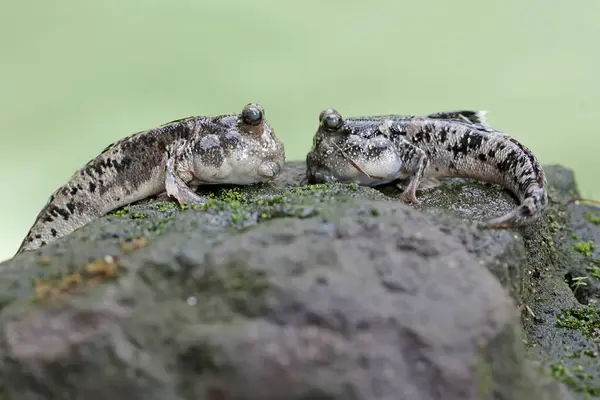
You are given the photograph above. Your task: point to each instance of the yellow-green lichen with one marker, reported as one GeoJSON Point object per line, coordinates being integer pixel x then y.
{"type": "Point", "coordinates": [120, 212]}
{"type": "Point", "coordinates": [584, 248]}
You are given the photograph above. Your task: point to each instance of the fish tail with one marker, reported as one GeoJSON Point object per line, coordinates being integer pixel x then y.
{"type": "Point", "coordinates": [530, 210]}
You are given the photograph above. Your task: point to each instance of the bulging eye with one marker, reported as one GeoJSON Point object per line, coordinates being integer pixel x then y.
{"type": "Point", "coordinates": [331, 119]}
{"type": "Point", "coordinates": [253, 114]}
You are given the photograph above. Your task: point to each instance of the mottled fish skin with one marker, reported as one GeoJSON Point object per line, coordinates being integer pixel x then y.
{"type": "Point", "coordinates": [222, 149]}
{"type": "Point", "coordinates": [419, 148]}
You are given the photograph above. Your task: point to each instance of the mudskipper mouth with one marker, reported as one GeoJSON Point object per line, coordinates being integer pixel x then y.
{"type": "Point", "coordinates": [317, 175]}
{"type": "Point", "coordinates": [323, 175]}
{"type": "Point", "coordinates": [269, 169]}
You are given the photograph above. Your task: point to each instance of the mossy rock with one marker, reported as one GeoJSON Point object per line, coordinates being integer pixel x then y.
{"type": "Point", "coordinates": [295, 291]}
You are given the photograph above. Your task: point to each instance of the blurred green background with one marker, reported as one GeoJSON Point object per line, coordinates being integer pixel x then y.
{"type": "Point", "coordinates": [76, 75]}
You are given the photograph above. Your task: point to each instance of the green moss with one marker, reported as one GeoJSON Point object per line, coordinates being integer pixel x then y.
{"type": "Point", "coordinates": [576, 367]}
{"type": "Point", "coordinates": [576, 377]}
{"type": "Point", "coordinates": [584, 248]}
{"type": "Point", "coordinates": [581, 354]}
{"type": "Point", "coordinates": [555, 227]}
{"type": "Point", "coordinates": [243, 209]}
{"type": "Point", "coordinates": [594, 268]}
{"type": "Point", "coordinates": [120, 212]}
{"type": "Point", "coordinates": [585, 320]}
{"type": "Point", "coordinates": [553, 224]}
{"type": "Point", "coordinates": [159, 227]}
{"type": "Point", "coordinates": [544, 247]}
{"type": "Point", "coordinates": [547, 241]}
{"type": "Point", "coordinates": [593, 218]}
{"type": "Point", "coordinates": [166, 207]}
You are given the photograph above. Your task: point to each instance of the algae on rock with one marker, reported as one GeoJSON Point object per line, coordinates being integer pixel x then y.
{"type": "Point", "coordinates": [294, 291]}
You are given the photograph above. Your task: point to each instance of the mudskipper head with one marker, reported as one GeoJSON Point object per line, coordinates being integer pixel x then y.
{"type": "Point", "coordinates": [352, 150]}
{"type": "Point", "coordinates": [243, 148]}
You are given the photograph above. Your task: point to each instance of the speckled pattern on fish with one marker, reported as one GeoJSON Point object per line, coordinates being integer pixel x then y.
{"type": "Point", "coordinates": [381, 149]}
{"type": "Point", "coordinates": [174, 158]}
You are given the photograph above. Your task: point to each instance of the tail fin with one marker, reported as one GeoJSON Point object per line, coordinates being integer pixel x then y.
{"type": "Point", "coordinates": [530, 210]}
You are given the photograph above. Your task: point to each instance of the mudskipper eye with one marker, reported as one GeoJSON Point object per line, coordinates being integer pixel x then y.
{"type": "Point", "coordinates": [252, 114]}
{"type": "Point", "coordinates": [331, 119]}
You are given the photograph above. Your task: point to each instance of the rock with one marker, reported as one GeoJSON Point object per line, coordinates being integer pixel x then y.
{"type": "Point", "coordinates": [286, 291]}
{"type": "Point", "coordinates": [565, 333]}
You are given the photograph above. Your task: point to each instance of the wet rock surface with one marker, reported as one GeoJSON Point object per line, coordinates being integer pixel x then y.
{"type": "Point", "coordinates": [294, 291]}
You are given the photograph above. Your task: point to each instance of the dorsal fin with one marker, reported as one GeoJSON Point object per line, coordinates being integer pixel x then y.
{"type": "Point", "coordinates": [110, 146]}
{"type": "Point", "coordinates": [472, 116]}
{"type": "Point", "coordinates": [475, 118]}
{"type": "Point", "coordinates": [106, 149]}
{"type": "Point", "coordinates": [175, 121]}
{"type": "Point", "coordinates": [115, 143]}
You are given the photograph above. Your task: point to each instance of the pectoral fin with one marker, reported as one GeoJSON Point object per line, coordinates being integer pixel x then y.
{"type": "Point", "coordinates": [177, 188]}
